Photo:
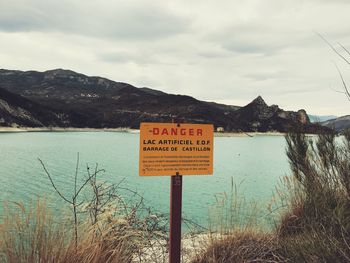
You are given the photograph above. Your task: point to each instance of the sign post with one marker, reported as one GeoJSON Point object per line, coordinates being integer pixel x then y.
{"type": "Point", "coordinates": [175, 150]}
{"type": "Point", "coordinates": [175, 219]}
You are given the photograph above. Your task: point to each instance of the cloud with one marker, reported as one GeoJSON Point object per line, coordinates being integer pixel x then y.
{"type": "Point", "coordinates": [253, 39]}
{"type": "Point", "coordinates": [346, 2]}
{"type": "Point", "coordinates": [125, 56]}
{"type": "Point", "coordinates": [213, 54]}
{"type": "Point", "coordinates": [115, 20]}
{"type": "Point", "coordinates": [259, 39]}
{"type": "Point", "coordinates": [213, 50]}
{"type": "Point", "coordinates": [265, 75]}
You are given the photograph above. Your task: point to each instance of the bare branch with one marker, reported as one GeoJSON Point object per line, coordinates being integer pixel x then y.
{"type": "Point", "coordinates": [53, 184]}
{"type": "Point", "coordinates": [76, 175]}
{"type": "Point", "coordinates": [88, 180]}
{"type": "Point", "coordinates": [333, 48]}
{"type": "Point", "coordinates": [339, 91]}
{"type": "Point", "coordinates": [345, 49]}
{"type": "Point", "coordinates": [343, 82]}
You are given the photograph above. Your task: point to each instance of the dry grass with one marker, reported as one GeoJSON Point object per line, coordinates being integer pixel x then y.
{"type": "Point", "coordinates": [33, 235]}
{"type": "Point", "coordinates": [316, 228]}
{"type": "Point", "coordinates": [242, 246]}
{"type": "Point", "coordinates": [232, 212]}
{"type": "Point", "coordinates": [314, 225]}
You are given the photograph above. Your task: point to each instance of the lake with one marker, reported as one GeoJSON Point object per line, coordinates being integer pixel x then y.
{"type": "Point", "coordinates": [256, 165]}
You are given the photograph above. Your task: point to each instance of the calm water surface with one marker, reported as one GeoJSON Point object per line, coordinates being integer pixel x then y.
{"type": "Point", "coordinates": [255, 163]}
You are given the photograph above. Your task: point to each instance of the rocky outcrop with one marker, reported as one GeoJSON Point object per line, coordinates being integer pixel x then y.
{"type": "Point", "coordinates": [258, 116]}
{"type": "Point", "coordinates": [18, 111]}
{"type": "Point", "coordinates": [66, 98]}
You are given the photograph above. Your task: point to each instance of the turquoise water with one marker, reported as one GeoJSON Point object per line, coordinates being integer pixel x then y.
{"type": "Point", "coordinates": [255, 163]}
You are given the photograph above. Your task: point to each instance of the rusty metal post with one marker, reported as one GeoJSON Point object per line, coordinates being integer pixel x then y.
{"type": "Point", "coordinates": [175, 219]}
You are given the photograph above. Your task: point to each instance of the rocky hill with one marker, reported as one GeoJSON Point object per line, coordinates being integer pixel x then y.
{"type": "Point", "coordinates": [69, 99]}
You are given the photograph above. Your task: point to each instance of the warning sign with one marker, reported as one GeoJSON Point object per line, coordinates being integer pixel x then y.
{"type": "Point", "coordinates": [170, 148]}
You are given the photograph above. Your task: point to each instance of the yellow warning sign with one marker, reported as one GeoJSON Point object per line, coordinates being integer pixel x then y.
{"type": "Point", "coordinates": [170, 148]}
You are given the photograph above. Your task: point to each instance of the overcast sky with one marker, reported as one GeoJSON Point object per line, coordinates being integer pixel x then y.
{"type": "Point", "coordinates": [227, 51]}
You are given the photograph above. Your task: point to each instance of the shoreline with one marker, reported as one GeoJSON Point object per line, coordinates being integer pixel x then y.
{"type": "Point", "coordinates": [127, 130]}
{"type": "Point", "coordinates": [60, 129]}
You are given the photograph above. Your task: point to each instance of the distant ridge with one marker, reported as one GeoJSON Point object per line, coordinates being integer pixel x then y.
{"type": "Point", "coordinates": [65, 98]}
{"type": "Point", "coordinates": [338, 124]}
{"type": "Point", "coordinates": [321, 118]}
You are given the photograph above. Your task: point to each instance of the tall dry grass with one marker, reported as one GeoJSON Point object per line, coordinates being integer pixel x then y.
{"type": "Point", "coordinates": [232, 211]}
{"type": "Point", "coordinates": [238, 231]}
{"type": "Point", "coordinates": [314, 222]}
{"type": "Point", "coordinates": [33, 234]}
{"type": "Point", "coordinates": [317, 226]}
{"type": "Point", "coordinates": [249, 245]}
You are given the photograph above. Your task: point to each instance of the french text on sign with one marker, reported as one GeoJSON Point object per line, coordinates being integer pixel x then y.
{"type": "Point", "coordinates": [170, 148]}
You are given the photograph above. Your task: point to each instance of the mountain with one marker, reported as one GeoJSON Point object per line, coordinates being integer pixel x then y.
{"type": "Point", "coordinates": [338, 124]}
{"type": "Point", "coordinates": [321, 118]}
{"type": "Point", "coordinates": [75, 100]}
